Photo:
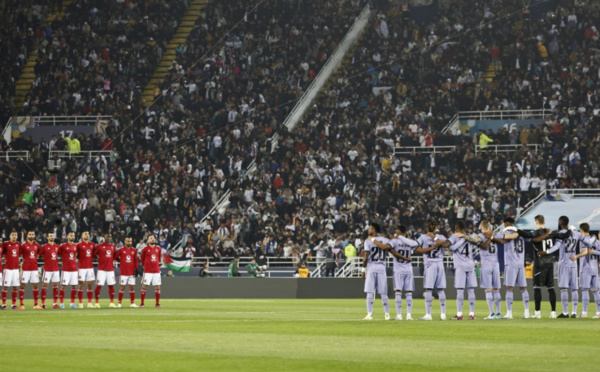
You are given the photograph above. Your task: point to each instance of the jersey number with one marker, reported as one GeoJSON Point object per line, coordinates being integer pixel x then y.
{"type": "Point", "coordinates": [570, 246]}
{"type": "Point", "coordinates": [375, 254]}
{"type": "Point", "coordinates": [403, 253]}
{"type": "Point", "coordinates": [519, 246]}
{"type": "Point", "coordinates": [547, 244]}
{"type": "Point", "coordinates": [465, 251]}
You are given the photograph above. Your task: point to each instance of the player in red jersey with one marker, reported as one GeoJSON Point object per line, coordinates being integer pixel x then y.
{"type": "Point", "coordinates": [105, 254]}
{"type": "Point", "coordinates": [10, 250]}
{"type": "Point", "coordinates": [68, 254]}
{"type": "Point", "coordinates": [49, 252]}
{"type": "Point", "coordinates": [128, 264]}
{"type": "Point", "coordinates": [151, 261]}
{"type": "Point", "coordinates": [30, 251]}
{"type": "Point", "coordinates": [85, 255]}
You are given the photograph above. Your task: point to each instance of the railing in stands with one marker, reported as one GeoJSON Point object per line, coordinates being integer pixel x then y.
{"type": "Point", "coordinates": [503, 114]}
{"type": "Point", "coordinates": [351, 268]}
{"type": "Point", "coordinates": [13, 154]}
{"type": "Point", "coordinates": [407, 150]}
{"type": "Point", "coordinates": [452, 123]}
{"type": "Point", "coordinates": [81, 154]}
{"type": "Point", "coordinates": [506, 148]}
{"type": "Point", "coordinates": [69, 120]}
{"type": "Point", "coordinates": [318, 271]}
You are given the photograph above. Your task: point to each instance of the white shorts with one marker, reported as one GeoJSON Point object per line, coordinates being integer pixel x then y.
{"type": "Point", "coordinates": [51, 276]}
{"type": "Point", "coordinates": [69, 278]}
{"type": "Point", "coordinates": [86, 275]}
{"type": "Point", "coordinates": [11, 278]}
{"type": "Point", "coordinates": [151, 279]}
{"type": "Point", "coordinates": [107, 277]}
{"type": "Point", "coordinates": [127, 279]}
{"type": "Point", "coordinates": [32, 277]}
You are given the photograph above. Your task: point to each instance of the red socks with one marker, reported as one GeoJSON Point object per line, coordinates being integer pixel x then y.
{"type": "Point", "coordinates": [111, 293]}
{"type": "Point", "coordinates": [44, 292]}
{"type": "Point", "coordinates": [97, 293]}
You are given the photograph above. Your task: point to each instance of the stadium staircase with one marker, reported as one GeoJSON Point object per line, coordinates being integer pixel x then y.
{"type": "Point", "coordinates": [185, 28]}
{"type": "Point", "coordinates": [23, 85]}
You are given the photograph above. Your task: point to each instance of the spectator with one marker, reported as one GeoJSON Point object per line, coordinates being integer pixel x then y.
{"type": "Point", "coordinates": [234, 268]}
{"type": "Point", "coordinates": [254, 270]}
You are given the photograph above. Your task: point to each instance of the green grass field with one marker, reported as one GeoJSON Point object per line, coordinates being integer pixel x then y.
{"type": "Point", "coordinates": [287, 335]}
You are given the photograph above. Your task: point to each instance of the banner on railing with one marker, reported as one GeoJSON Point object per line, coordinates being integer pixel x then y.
{"type": "Point", "coordinates": [473, 126]}
{"type": "Point", "coordinates": [558, 197]}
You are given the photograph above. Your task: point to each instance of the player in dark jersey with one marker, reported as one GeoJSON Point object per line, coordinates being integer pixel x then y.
{"type": "Point", "coordinates": [542, 239]}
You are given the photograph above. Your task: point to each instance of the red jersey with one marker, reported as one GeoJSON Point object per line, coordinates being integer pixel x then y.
{"type": "Point", "coordinates": [128, 259]}
{"type": "Point", "coordinates": [11, 255]}
{"type": "Point", "coordinates": [68, 253]}
{"type": "Point", "coordinates": [106, 255]}
{"type": "Point", "coordinates": [151, 259]}
{"type": "Point", "coordinates": [30, 251]}
{"type": "Point", "coordinates": [85, 254]}
{"type": "Point", "coordinates": [50, 254]}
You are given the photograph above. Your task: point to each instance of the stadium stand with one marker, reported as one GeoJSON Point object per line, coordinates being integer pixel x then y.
{"type": "Point", "coordinates": [369, 148]}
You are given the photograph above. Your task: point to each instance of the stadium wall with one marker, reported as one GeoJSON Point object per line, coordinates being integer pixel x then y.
{"type": "Point", "coordinates": [289, 288]}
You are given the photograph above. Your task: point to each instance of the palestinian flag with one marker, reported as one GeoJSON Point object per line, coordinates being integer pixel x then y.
{"type": "Point", "coordinates": [181, 265]}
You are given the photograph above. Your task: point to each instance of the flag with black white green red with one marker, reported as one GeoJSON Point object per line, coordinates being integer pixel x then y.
{"type": "Point", "coordinates": [180, 265]}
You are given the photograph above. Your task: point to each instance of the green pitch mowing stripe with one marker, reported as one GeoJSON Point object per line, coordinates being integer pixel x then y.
{"type": "Point", "coordinates": [288, 335]}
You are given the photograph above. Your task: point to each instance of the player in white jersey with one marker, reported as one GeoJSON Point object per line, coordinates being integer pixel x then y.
{"type": "Point", "coordinates": [514, 266]}
{"type": "Point", "coordinates": [432, 248]}
{"type": "Point", "coordinates": [402, 248]}
{"type": "Point", "coordinates": [588, 269]}
{"type": "Point", "coordinates": [462, 246]}
{"type": "Point", "coordinates": [374, 270]}
{"type": "Point", "coordinates": [490, 270]}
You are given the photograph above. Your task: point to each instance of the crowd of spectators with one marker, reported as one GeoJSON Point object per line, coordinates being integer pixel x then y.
{"type": "Point", "coordinates": [99, 56]}
{"type": "Point", "coordinates": [22, 25]}
{"type": "Point", "coordinates": [157, 165]}
{"type": "Point", "coordinates": [336, 172]}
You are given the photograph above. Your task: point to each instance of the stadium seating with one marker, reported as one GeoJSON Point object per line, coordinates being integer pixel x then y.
{"type": "Point", "coordinates": [219, 105]}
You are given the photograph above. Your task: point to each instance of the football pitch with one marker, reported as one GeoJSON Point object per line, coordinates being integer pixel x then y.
{"type": "Point", "coordinates": [288, 335]}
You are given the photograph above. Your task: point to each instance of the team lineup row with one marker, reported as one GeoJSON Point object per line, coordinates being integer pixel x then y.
{"type": "Point", "coordinates": [567, 241]}
{"type": "Point", "coordinates": [77, 270]}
